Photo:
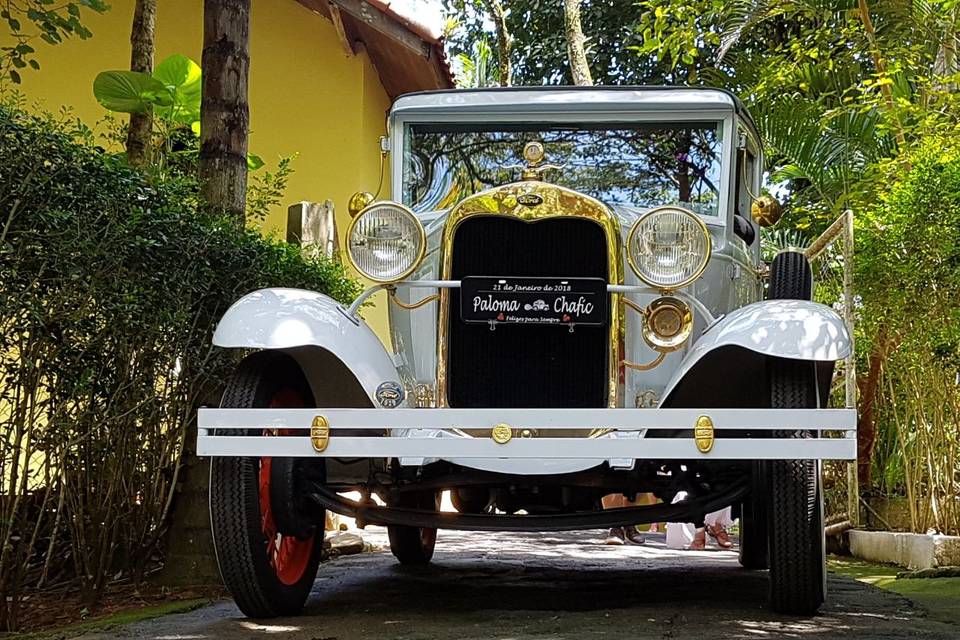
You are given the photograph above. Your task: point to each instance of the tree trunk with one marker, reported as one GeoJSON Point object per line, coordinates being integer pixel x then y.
{"type": "Point", "coordinates": [866, 426]}
{"type": "Point", "coordinates": [881, 67]}
{"type": "Point", "coordinates": [141, 59]}
{"type": "Point", "coordinates": [579, 68]}
{"type": "Point", "coordinates": [225, 113]}
{"type": "Point", "coordinates": [504, 41]}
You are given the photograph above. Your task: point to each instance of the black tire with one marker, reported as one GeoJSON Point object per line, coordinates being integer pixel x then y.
{"type": "Point", "coordinates": [753, 522]}
{"type": "Point", "coordinates": [791, 277]}
{"type": "Point", "coordinates": [797, 571]}
{"type": "Point", "coordinates": [263, 584]}
{"type": "Point", "coordinates": [414, 545]}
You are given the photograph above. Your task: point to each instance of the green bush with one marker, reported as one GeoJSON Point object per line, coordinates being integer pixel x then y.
{"type": "Point", "coordinates": [110, 288]}
{"type": "Point", "coordinates": [908, 248]}
{"type": "Point", "coordinates": [908, 273]}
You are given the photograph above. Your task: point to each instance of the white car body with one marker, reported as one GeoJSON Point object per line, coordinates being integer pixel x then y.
{"type": "Point", "coordinates": [727, 298]}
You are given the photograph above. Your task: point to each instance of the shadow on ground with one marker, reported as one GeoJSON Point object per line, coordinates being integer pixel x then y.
{"type": "Point", "coordinates": [534, 586]}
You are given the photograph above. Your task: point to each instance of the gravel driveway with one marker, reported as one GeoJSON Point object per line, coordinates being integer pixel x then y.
{"type": "Point", "coordinates": [539, 586]}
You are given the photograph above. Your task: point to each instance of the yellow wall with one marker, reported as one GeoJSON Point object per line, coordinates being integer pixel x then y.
{"type": "Point", "coordinates": [307, 96]}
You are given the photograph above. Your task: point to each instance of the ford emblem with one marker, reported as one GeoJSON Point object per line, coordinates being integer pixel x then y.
{"type": "Point", "coordinates": [389, 394]}
{"type": "Point", "coordinates": [529, 199]}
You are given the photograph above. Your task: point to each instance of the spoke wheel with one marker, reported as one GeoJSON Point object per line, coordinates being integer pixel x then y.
{"type": "Point", "coordinates": [414, 545]}
{"type": "Point", "coordinates": [268, 572]}
{"type": "Point", "coordinates": [289, 555]}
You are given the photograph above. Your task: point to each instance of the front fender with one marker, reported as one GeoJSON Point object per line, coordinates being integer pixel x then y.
{"type": "Point", "coordinates": [292, 319]}
{"type": "Point", "coordinates": [738, 346]}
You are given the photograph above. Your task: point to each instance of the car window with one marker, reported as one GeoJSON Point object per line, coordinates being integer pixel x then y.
{"type": "Point", "coordinates": [641, 165]}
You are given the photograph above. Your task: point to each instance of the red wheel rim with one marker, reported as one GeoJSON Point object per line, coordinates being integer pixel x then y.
{"type": "Point", "coordinates": [289, 556]}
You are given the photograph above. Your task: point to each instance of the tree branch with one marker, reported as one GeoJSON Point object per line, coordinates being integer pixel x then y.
{"type": "Point", "coordinates": [576, 52]}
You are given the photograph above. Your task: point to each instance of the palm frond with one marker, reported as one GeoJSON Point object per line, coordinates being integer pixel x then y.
{"type": "Point", "coordinates": [741, 16]}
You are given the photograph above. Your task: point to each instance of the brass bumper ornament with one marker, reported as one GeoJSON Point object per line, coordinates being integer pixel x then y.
{"type": "Point", "coordinates": [320, 434]}
{"type": "Point", "coordinates": [703, 434]}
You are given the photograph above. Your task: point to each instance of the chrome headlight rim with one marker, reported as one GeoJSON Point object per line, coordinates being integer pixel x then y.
{"type": "Point", "coordinates": [708, 253]}
{"type": "Point", "coordinates": [417, 261]}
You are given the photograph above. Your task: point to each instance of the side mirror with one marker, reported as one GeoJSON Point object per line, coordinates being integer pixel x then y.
{"type": "Point", "coordinates": [358, 202]}
{"type": "Point", "coordinates": [766, 211]}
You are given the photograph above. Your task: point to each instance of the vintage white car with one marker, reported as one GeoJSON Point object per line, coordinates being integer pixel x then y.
{"type": "Point", "coordinates": [578, 308]}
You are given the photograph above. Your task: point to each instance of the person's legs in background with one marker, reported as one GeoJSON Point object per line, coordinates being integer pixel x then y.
{"type": "Point", "coordinates": [715, 524]}
{"type": "Point", "coordinates": [622, 535]}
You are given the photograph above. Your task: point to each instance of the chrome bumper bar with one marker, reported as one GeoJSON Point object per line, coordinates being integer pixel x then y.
{"type": "Point", "coordinates": [439, 433]}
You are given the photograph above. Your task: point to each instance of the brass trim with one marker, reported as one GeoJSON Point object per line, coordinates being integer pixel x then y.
{"type": "Point", "coordinates": [414, 305]}
{"type": "Point", "coordinates": [320, 434]}
{"type": "Point", "coordinates": [679, 285]}
{"type": "Point", "coordinates": [766, 211]}
{"type": "Point", "coordinates": [667, 343]}
{"type": "Point", "coordinates": [501, 433]}
{"type": "Point", "coordinates": [557, 202]}
{"type": "Point", "coordinates": [534, 152]}
{"type": "Point", "coordinates": [420, 255]}
{"type": "Point", "coordinates": [633, 305]}
{"type": "Point", "coordinates": [358, 202]}
{"type": "Point", "coordinates": [703, 434]}
{"type": "Point", "coordinates": [646, 367]}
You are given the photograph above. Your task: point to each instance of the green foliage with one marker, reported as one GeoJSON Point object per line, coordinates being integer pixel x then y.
{"type": "Point", "coordinates": [129, 91]}
{"type": "Point", "coordinates": [183, 79]}
{"type": "Point", "coordinates": [173, 94]}
{"type": "Point", "coordinates": [539, 52]}
{"type": "Point", "coordinates": [681, 34]}
{"type": "Point", "coordinates": [908, 273]}
{"type": "Point", "coordinates": [477, 68]}
{"type": "Point", "coordinates": [172, 91]}
{"type": "Point", "coordinates": [908, 250]}
{"type": "Point", "coordinates": [110, 288]}
{"type": "Point", "coordinates": [28, 20]}
{"type": "Point", "coordinates": [266, 189]}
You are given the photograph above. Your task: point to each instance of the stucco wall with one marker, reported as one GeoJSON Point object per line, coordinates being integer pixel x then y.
{"type": "Point", "coordinates": [307, 96]}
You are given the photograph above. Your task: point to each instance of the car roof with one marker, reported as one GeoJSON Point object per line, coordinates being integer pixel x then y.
{"type": "Point", "coordinates": [558, 98]}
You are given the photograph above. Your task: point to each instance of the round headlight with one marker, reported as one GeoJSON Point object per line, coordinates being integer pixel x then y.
{"type": "Point", "coordinates": [668, 248]}
{"type": "Point", "coordinates": [386, 242]}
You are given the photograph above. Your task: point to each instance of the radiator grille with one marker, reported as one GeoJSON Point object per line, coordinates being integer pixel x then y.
{"type": "Point", "coordinates": [526, 365]}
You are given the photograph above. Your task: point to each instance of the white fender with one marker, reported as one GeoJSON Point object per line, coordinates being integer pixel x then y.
{"type": "Point", "coordinates": [794, 329]}
{"type": "Point", "coordinates": [289, 318]}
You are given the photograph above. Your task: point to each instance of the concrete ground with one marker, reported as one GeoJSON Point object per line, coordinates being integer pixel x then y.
{"type": "Point", "coordinates": [527, 586]}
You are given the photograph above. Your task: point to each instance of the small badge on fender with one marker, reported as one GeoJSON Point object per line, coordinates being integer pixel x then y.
{"type": "Point", "coordinates": [529, 199]}
{"type": "Point", "coordinates": [703, 434]}
{"type": "Point", "coordinates": [389, 394]}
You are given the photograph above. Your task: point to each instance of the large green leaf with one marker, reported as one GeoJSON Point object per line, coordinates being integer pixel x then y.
{"type": "Point", "coordinates": [130, 91]}
{"type": "Point", "coordinates": [183, 80]}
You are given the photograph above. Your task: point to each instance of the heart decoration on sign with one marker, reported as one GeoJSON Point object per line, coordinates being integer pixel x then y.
{"type": "Point", "coordinates": [500, 317]}
{"type": "Point", "coordinates": [566, 318]}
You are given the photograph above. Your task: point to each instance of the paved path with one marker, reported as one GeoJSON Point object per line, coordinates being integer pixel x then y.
{"type": "Point", "coordinates": [542, 586]}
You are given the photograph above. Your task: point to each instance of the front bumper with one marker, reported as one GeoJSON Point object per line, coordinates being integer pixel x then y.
{"type": "Point", "coordinates": [419, 435]}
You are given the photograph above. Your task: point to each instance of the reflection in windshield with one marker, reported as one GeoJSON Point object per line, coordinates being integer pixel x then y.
{"type": "Point", "coordinates": [642, 165]}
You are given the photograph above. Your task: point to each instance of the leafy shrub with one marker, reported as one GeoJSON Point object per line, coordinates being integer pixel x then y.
{"type": "Point", "coordinates": [110, 287]}
{"type": "Point", "coordinates": [908, 273]}
{"type": "Point", "coordinates": [908, 246]}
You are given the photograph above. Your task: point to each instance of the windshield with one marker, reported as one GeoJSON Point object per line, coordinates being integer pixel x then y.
{"type": "Point", "coordinates": [640, 165]}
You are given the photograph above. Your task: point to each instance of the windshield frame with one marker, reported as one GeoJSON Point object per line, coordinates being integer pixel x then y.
{"type": "Point", "coordinates": [572, 117]}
